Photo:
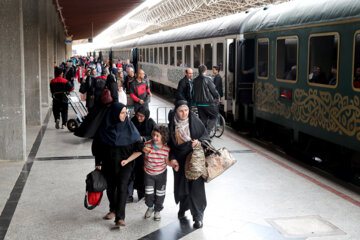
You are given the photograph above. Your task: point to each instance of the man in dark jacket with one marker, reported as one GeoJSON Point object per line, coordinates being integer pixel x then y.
{"type": "Point", "coordinates": [130, 77]}
{"type": "Point", "coordinates": [69, 73]}
{"type": "Point", "coordinates": [218, 80]}
{"type": "Point", "coordinates": [206, 98]}
{"type": "Point", "coordinates": [185, 88]}
{"type": "Point", "coordinates": [58, 87]}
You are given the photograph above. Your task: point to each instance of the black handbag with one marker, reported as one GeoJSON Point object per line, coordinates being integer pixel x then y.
{"type": "Point", "coordinates": [95, 185]}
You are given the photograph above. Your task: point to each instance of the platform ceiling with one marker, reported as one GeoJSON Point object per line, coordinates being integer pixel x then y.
{"type": "Point", "coordinates": [78, 15]}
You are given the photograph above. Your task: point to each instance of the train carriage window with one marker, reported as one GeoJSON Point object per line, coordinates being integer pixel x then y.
{"type": "Point", "coordinates": [166, 55]}
{"type": "Point", "coordinates": [286, 58]}
{"type": "Point", "coordinates": [197, 55]}
{"type": "Point", "coordinates": [220, 55]}
{"type": "Point", "coordinates": [208, 55]}
{"type": "Point", "coordinates": [147, 55]}
{"type": "Point", "coordinates": [179, 56]}
{"type": "Point", "coordinates": [356, 71]}
{"type": "Point", "coordinates": [172, 56]}
{"type": "Point", "coordinates": [263, 58]}
{"type": "Point", "coordinates": [187, 56]}
{"type": "Point", "coordinates": [151, 58]}
{"type": "Point", "coordinates": [155, 55]}
{"type": "Point", "coordinates": [160, 56]}
{"type": "Point", "coordinates": [323, 59]}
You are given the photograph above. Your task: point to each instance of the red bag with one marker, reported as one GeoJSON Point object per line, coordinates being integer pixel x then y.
{"type": "Point", "coordinates": [92, 199]}
{"type": "Point", "coordinates": [106, 97]}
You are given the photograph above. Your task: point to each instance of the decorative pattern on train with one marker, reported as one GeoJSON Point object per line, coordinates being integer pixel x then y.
{"type": "Point", "coordinates": [334, 113]}
{"type": "Point", "coordinates": [152, 71]}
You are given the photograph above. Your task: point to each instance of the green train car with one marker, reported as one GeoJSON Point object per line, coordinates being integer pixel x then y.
{"type": "Point", "coordinates": [303, 58]}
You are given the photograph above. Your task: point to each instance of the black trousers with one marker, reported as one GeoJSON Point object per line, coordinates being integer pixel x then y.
{"type": "Point", "coordinates": [155, 189]}
{"type": "Point", "coordinates": [208, 115]}
{"type": "Point", "coordinates": [195, 200]}
{"type": "Point", "coordinates": [117, 189]}
{"type": "Point", "coordinates": [60, 107]}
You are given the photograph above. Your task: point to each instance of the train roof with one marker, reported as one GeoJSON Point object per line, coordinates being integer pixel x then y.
{"type": "Point", "coordinates": [302, 12]}
{"type": "Point", "coordinates": [223, 26]}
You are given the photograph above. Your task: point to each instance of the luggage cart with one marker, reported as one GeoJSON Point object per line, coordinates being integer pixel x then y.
{"type": "Point", "coordinates": [80, 110]}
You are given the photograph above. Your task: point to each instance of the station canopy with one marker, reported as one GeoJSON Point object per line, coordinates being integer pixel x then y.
{"type": "Point", "coordinates": [169, 14]}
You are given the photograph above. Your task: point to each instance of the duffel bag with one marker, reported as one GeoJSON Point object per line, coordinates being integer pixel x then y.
{"type": "Point", "coordinates": [217, 161]}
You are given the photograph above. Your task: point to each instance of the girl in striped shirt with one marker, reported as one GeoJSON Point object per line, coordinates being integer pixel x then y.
{"type": "Point", "coordinates": [156, 160]}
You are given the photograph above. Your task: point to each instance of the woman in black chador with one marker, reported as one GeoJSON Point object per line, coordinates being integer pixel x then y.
{"type": "Point", "coordinates": [186, 131]}
{"type": "Point", "coordinates": [115, 147]}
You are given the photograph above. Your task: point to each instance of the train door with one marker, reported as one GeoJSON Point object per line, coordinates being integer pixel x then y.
{"type": "Point", "coordinates": [110, 57]}
{"type": "Point", "coordinates": [135, 57]}
{"type": "Point", "coordinates": [245, 78]}
{"type": "Point", "coordinates": [229, 77]}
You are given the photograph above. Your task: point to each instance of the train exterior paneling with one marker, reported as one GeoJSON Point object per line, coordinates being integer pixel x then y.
{"type": "Point", "coordinates": [170, 75]}
{"type": "Point", "coordinates": [328, 112]}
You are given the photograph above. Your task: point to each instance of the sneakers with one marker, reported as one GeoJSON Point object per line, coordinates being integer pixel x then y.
{"type": "Point", "coordinates": [63, 126]}
{"type": "Point", "coordinates": [157, 216]}
{"type": "Point", "coordinates": [57, 124]}
{"type": "Point", "coordinates": [120, 222]}
{"type": "Point", "coordinates": [149, 212]}
{"type": "Point", "coordinates": [109, 216]}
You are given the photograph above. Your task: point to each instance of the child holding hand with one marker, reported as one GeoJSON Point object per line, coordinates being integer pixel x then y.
{"type": "Point", "coordinates": [156, 160]}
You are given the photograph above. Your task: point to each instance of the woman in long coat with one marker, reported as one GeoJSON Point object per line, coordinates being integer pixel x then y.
{"type": "Point", "coordinates": [115, 147]}
{"type": "Point", "coordinates": [186, 131]}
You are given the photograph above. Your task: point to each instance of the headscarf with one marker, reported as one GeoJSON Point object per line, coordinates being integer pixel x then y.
{"type": "Point", "coordinates": [142, 126]}
{"type": "Point", "coordinates": [182, 126]}
{"type": "Point", "coordinates": [117, 133]}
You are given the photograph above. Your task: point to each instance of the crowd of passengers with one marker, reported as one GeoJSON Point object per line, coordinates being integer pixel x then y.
{"type": "Point", "coordinates": [133, 153]}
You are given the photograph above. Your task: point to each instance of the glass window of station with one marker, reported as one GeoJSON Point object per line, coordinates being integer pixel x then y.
{"type": "Point", "coordinates": [187, 56]}
{"type": "Point", "coordinates": [208, 56]}
{"type": "Point", "coordinates": [179, 56]}
{"type": "Point", "coordinates": [151, 55]}
{"type": "Point", "coordinates": [220, 55]}
{"type": "Point", "coordinates": [166, 55]}
{"type": "Point", "coordinates": [197, 55]}
{"type": "Point", "coordinates": [147, 55]}
{"type": "Point", "coordinates": [172, 56]}
{"type": "Point", "coordinates": [356, 73]}
{"type": "Point", "coordinates": [160, 55]}
{"type": "Point", "coordinates": [286, 58]}
{"type": "Point", "coordinates": [263, 58]}
{"type": "Point", "coordinates": [323, 59]}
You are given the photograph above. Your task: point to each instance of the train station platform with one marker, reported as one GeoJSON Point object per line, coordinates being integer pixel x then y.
{"type": "Point", "coordinates": [265, 195]}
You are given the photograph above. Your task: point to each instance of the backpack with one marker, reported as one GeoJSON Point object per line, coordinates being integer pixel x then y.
{"type": "Point", "coordinates": [95, 185]}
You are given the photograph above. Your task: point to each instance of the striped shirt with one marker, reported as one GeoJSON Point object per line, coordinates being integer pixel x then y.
{"type": "Point", "coordinates": [155, 162]}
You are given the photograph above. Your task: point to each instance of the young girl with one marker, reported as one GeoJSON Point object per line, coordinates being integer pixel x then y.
{"type": "Point", "coordinates": [156, 160]}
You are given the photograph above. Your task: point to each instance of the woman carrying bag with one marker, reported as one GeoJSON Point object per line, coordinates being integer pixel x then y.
{"type": "Point", "coordinates": [117, 144]}
{"type": "Point", "coordinates": [186, 132]}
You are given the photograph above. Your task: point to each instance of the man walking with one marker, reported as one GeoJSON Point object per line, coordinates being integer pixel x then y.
{"type": "Point", "coordinates": [185, 88]}
{"type": "Point", "coordinates": [140, 91]}
{"type": "Point", "coordinates": [58, 87]}
{"type": "Point", "coordinates": [206, 98]}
